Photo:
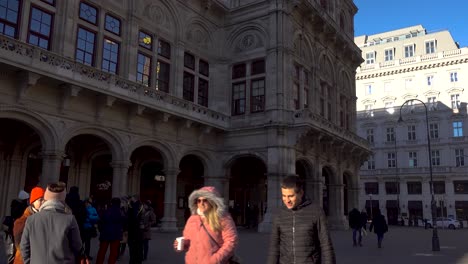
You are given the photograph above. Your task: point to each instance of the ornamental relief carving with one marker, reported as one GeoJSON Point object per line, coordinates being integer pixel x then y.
{"type": "Point", "coordinates": [157, 15]}
{"type": "Point", "coordinates": [198, 37]}
{"type": "Point", "coordinates": [248, 42]}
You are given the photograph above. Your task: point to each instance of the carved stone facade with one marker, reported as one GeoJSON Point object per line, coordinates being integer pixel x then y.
{"type": "Point", "coordinates": [162, 97]}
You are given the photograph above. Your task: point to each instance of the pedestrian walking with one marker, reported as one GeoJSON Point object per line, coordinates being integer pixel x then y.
{"type": "Point", "coordinates": [135, 230]}
{"type": "Point", "coordinates": [149, 218]}
{"type": "Point", "coordinates": [355, 223]}
{"type": "Point", "coordinates": [111, 232]}
{"type": "Point", "coordinates": [35, 202]}
{"type": "Point", "coordinates": [379, 224]}
{"type": "Point", "coordinates": [364, 219]}
{"type": "Point", "coordinates": [89, 228]}
{"type": "Point", "coordinates": [210, 235]}
{"type": "Point", "coordinates": [52, 235]}
{"type": "Point", "coordinates": [77, 207]}
{"type": "Point", "coordinates": [299, 232]}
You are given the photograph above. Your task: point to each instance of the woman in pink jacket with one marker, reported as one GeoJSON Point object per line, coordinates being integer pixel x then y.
{"type": "Point", "coordinates": [210, 235]}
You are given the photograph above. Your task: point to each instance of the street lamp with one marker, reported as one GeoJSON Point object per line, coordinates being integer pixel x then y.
{"type": "Point", "coordinates": [435, 237]}
{"type": "Point", "coordinates": [397, 178]}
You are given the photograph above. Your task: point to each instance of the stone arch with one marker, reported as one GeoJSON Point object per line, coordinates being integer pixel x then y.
{"type": "Point", "coordinates": [326, 67]}
{"type": "Point", "coordinates": [204, 157]}
{"type": "Point", "coordinates": [228, 163]}
{"type": "Point", "coordinates": [198, 33]}
{"type": "Point", "coordinates": [163, 14]}
{"type": "Point", "coordinates": [246, 38]}
{"type": "Point", "coordinates": [166, 151]}
{"type": "Point", "coordinates": [307, 164]}
{"type": "Point", "coordinates": [303, 48]}
{"type": "Point", "coordinates": [114, 142]}
{"type": "Point", "coordinates": [47, 133]}
{"type": "Point", "coordinates": [349, 183]}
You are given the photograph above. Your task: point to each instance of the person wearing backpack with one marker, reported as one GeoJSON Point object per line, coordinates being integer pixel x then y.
{"type": "Point", "coordinates": [35, 202]}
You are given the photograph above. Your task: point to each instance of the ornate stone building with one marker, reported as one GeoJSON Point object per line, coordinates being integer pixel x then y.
{"type": "Point", "coordinates": [400, 66]}
{"type": "Point", "coordinates": [161, 97]}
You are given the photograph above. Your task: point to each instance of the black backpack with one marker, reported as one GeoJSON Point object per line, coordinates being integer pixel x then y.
{"type": "Point", "coordinates": [10, 248]}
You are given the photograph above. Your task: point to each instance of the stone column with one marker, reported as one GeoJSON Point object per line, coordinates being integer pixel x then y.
{"type": "Point", "coordinates": [353, 199]}
{"type": "Point", "coordinates": [120, 178]}
{"type": "Point", "coordinates": [336, 218]}
{"type": "Point", "coordinates": [12, 182]}
{"type": "Point", "coordinates": [273, 200]}
{"type": "Point", "coordinates": [169, 221]}
{"type": "Point", "coordinates": [51, 162]}
{"type": "Point", "coordinates": [313, 190]}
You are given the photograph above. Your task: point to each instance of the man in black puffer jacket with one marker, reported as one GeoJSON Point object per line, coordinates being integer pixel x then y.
{"type": "Point", "coordinates": [299, 233]}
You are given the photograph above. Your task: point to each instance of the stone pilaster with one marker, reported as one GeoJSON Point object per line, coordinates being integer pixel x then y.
{"type": "Point", "coordinates": [120, 178]}
{"type": "Point", "coordinates": [336, 218]}
{"type": "Point", "coordinates": [51, 162]}
{"type": "Point", "coordinates": [169, 221]}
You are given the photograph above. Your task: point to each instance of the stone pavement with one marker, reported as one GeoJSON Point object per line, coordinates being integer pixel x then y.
{"type": "Point", "coordinates": [402, 245]}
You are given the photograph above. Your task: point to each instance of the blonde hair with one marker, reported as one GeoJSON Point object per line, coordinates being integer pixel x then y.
{"type": "Point", "coordinates": [213, 218]}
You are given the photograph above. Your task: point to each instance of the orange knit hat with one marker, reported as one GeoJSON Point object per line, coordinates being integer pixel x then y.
{"type": "Point", "coordinates": [36, 193]}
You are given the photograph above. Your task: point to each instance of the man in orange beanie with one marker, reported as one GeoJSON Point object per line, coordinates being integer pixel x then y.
{"type": "Point", "coordinates": [35, 202]}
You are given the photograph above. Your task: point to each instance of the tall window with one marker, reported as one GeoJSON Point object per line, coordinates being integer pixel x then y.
{"type": "Point", "coordinates": [371, 163]}
{"type": "Point", "coordinates": [409, 51]}
{"type": "Point", "coordinates": [163, 67]}
{"type": "Point", "coordinates": [389, 107]}
{"type": "Point", "coordinates": [411, 132]}
{"type": "Point", "coordinates": [110, 56]}
{"type": "Point", "coordinates": [196, 71]}
{"type": "Point", "coordinates": [296, 85]}
{"type": "Point", "coordinates": [238, 98]}
{"type": "Point", "coordinates": [390, 134]}
{"type": "Point", "coordinates": [370, 135]}
{"type": "Point", "coordinates": [414, 187]}
{"type": "Point", "coordinates": [435, 156]}
{"type": "Point", "coordinates": [455, 100]}
{"type": "Point", "coordinates": [391, 160]}
{"type": "Point", "coordinates": [9, 17]}
{"type": "Point", "coordinates": [112, 24]}
{"type": "Point", "coordinates": [258, 95]}
{"type": "Point", "coordinates": [438, 187]}
{"type": "Point", "coordinates": [40, 27]}
{"type": "Point", "coordinates": [430, 46]}
{"type": "Point", "coordinates": [457, 129]}
{"type": "Point", "coordinates": [434, 130]}
{"type": "Point", "coordinates": [143, 69]}
{"type": "Point", "coordinates": [368, 88]}
{"type": "Point", "coordinates": [459, 157]}
{"type": "Point", "coordinates": [85, 45]}
{"type": "Point", "coordinates": [371, 187]}
{"type": "Point", "coordinates": [430, 80]}
{"type": "Point", "coordinates": [189, 86]}
{"type": "Point", "coordinates": [413, 159]}
{"type": "Point", "coordinates": [432, 103]}
{"type": "Point", "coordinates": [88, 13]}
{"type": "Point", "coordinates": [370, 57]}
{"type": "Point", "coordinates": [453, 77]}
{"type": "Point", "coordinates": [306, 89]}
{"type": "Point", "coordinates": [204, 72]}
{"type": "Point", "coordinates": [389, 54]}
{"type": "Point", "coordinates": [392, 187]}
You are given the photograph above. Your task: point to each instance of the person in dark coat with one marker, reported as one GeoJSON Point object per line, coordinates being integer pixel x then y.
{"type": "Point", "coordinates": [78, 208]}
{"type": "Point", "coordinates": [364, 219]}
{"type": "Point", "coordinates": [300, 232]}
{"type": "Point", "coordinates": [111, 232]}
{"type": "Point", "coordinates": [135, 230]}
{"type": "Point", "coordinates": [149, 219]}
{"type": "Point", "coordinates": [354, 219]}
{"type": "Point", "coordinates": [379, 224]}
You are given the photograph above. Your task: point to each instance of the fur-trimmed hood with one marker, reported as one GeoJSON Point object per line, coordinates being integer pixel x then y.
{"type": "Point", "coordinates": [213, 197]}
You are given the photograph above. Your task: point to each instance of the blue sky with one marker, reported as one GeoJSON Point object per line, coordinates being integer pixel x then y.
{"type": "Point", "coordinates": [375, 16]}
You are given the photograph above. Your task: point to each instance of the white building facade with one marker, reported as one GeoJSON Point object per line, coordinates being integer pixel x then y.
{"type": "Point", "coordinates": [400, 68]}
{"type": "Point", "coordinates": [158, 98]}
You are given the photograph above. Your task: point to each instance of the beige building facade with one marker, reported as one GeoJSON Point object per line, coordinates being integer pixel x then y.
{"type": "Point", "coordinates": [158, 98]}
{"type": "Point", "coordinates": [404, 67]}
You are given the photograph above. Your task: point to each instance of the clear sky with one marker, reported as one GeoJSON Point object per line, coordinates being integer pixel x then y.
{"type": "Point", "coordinates": [376, 16]}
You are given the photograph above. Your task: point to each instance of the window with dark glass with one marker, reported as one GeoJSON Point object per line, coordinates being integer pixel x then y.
{"type": "Point", "coordinates": [257, 98]}
{"type": "Point", "coordinates": [392, 187]}
{"type": "Point", "coordinates": [238, 98]}
{"type": "Point", "coordinates": [460, 187]}
{"type": "Point", "coordinates": [371, 187]}
{"type": "Point", "coordinates": [144, 69]}
{"type": "Point", "coordinates": [50, 2]}
{"type": "Point", "coordinates": [9, 16]}
{"type": "Point", "coordinates": [145, 40]}
{"type": "Point", "coordinates": [40, 26]}
{"type": "Point", "coordinates": [112, 24]}
{"type": "Point", "coordinates": [163, 71]}
{"type": "Point", "coordinates": [439, 187]}
{"type": "Point", "coordinates": [164, 49]}
{"type": "Point", "coordinates": [238, 71]}
{"type": "Point", "coordinates": [203, 92]}
{"type": "Point", "coordinates": [189, 61]}
{"type": "Point", "coordinates": [204, 68]}
{"type": "Point", "coordinates": [85, 44]}
{"type": "Point", "coordinates": [414, 187]}
{"type": "Point", "coordinates": [258, 67]}
{"type": "Point", "coordinates": [110, 56]}
{"type": "Point", "coordinates": [88, 13]}
{"type": "Point", "coordinates": [188, 88]}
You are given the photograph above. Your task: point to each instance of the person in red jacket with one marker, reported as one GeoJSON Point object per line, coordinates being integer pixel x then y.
{"type": "Point", "coordinates": [210, 235]}
{"type": "Point", "coordinates": [35, 202]}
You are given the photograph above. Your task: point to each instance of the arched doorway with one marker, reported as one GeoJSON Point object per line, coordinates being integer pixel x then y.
{"type": "Point", "coordinates": [304, 171]}
{"type": "Point", "coordinates": [326, 175]}
{"type": "Point", "coordinates": [33, 169]}
{"type": "Point", "coordinates": [189, 179]}
{"type": "Point", "coordinates": [247, 191]}
{"type": "Point", "coordinates": [101, 180]}
{"type": "Point", "coordinates": [346, 208]}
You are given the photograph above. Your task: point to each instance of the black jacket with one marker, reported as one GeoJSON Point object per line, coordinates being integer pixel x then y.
{"type": "Point", "coordinates": [300, 236]}
{"type": "Point", "coordinates": [379, 224]}
{"type": "Point", "coordinates": [354, 219]}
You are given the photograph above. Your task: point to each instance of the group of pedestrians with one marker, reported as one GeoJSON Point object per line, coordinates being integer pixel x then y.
{"type": "Point", "coordinates": [358, 223]}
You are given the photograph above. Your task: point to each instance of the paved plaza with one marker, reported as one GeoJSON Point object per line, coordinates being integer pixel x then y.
{"type": "Point", "coordinates": [401, 245]}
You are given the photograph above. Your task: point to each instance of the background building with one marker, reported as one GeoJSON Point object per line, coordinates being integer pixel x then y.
{"type": "Point", "coordinates": [162, 97]}
{"type": "Point", "coordinates": [401, 65]}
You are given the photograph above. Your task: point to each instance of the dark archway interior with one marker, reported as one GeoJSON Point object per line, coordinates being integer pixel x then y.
{"type": "Point", "coordinates": [248, 191]}
{"type": "Point", "coordinates": [189, 179]}
{"type": "Point", "coordinates": [326, 194]}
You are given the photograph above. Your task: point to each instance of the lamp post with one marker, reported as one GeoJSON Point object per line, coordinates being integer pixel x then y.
{"type": "Point", "coordinates": [435, 237]}
{"type": "Point", "coordinates": [397, 178]}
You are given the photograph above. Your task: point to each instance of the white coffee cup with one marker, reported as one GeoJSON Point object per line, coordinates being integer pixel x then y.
{"type": "Point", "coordinates": [180, 243]}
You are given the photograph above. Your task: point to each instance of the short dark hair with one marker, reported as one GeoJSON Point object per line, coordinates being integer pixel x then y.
{"type": "Point", "coordinates": [56, 187]}
{"type": "Point", "coordinates": [293, 182]}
